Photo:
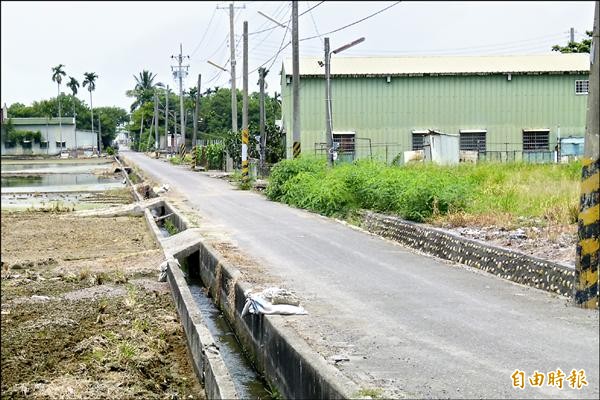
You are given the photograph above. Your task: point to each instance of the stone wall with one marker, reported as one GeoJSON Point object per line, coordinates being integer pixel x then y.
{"type": "Point", "coordinates": [507, 264]}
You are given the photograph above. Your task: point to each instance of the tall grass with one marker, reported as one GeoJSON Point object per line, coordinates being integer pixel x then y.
{"type": "Point", "coordinates": [422, 192]}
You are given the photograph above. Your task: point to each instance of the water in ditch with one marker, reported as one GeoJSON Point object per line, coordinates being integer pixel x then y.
{"type": "Point", "coordinates": [246, 380]}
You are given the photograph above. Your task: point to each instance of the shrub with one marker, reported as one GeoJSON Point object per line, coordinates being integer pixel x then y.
{"type": "Point", "coordinates": [110, 151]}
{"type": "Point", "coordinates": [285, 170]}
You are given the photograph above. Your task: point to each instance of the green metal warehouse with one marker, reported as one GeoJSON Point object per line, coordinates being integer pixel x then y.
{"type": "Point", "coordinates": [504, 107]}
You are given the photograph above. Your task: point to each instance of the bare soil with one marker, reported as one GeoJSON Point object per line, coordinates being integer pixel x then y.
{"type": "Point", "coordinates": [83, 315]}
{"type": "Point", "coordinates": [535, 238]}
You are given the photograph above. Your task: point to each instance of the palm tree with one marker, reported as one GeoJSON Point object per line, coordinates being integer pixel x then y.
{"type": "Point", "coordinates": [73, 85]}
{"type": "Point", "coordinates": [143, 90]}
{"type": "Point", "coordinates": [90, 81]}
{"type": "Point", "coordinates": [57, 75]}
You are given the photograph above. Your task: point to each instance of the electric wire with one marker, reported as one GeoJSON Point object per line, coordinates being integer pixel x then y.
{"type": "Point", "coordinates": [353, 23]}
{"type": "Point", "coordinates": [205, 32]}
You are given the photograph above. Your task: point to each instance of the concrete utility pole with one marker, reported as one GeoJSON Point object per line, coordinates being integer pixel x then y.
{"type": "Point", "coordinates": [140, 134]}
{"type": "Point", "coordinates": [588, 245]}
{"type": "Point", "coordinates": [196, 112]}
{"type": "Point", "coordinates": [234, 125]}
{"type": "Point", "coordinates": [167, 117]}
{"type": "Point", "coordinates": [179, 74]}
{"type": "Point", "coordinates": [328, 130]}
{"type": "Point", "coordinates": [156, 122]}
{"type": "Point", "coordinates": [571, 35]}
{"type": "Point", "coordinates": [245, 109]}
{"type": "Point", "coordinates": [295, 82]}
{"type": "Point", "coordinates": [262, 73]}
{"type": "Point", "coordinates": [99, 136]}
{"type": "Point", "coordinates": [174, 145]}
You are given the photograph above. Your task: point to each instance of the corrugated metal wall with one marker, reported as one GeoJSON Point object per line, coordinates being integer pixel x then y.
{"type": "Point", "coordinates": [387, 113]}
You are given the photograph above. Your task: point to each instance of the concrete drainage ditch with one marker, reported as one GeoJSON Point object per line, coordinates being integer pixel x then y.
{"type": "Point", "coordinates": [256, 356]}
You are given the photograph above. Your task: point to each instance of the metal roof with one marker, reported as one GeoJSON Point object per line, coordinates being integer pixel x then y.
{"type": "Point", "coordinates": [444, 65]}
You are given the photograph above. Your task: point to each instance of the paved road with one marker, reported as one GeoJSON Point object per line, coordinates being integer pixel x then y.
{"type": "Point", "coordinates": [410, 324]}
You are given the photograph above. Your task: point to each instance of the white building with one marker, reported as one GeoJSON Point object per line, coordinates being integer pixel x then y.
{"type": "Point", "coordinates": [51, 133]}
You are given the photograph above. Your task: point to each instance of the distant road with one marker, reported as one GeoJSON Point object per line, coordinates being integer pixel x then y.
{"type": "Point", "coordinates": [410, 324]}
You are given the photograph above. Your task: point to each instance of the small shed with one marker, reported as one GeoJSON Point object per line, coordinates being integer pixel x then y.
{"type": "Point", "coordinates": [441, 148]}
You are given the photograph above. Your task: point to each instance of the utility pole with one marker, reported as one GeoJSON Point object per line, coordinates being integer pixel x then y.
{"type": "Point", "coordinates": [174, 145]}
{"type": "Point", "coordinates": [328, 132]}
{"type": "Point", "coordinates": [167, 118]}
{"type": "Point", "coordinates": [234, 125]}
{"type": "Point", "coordinates": [196, 112]}
{"type": "Point", "coordinates": [295, 82]}
{"type": "Point", "coordinates": [99, 136]}
{"type": "Point", "coordinates": [156, 122]}
{"type": "Point", "coordinates": [571, 35]}
{"type": "Point", "coordinates": [179, 74]}
{"type": "Point", "coordinates": [245, 109]}
{"type": "Point", "coordinates": [588, 245]}
{"type": "Point", "coordinates": [262, 73]}
{"type": "Point", "coordinates": [141, 128]}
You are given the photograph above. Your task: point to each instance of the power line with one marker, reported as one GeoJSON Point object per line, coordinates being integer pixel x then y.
{"type": "Point", "coordinates": [280, 46]}
{"type": "Point", "coordinates": [353, 23]}
{"type": "Point", "coordinates": [313, 20]}
{"type": "Point", "coordinates": [205, 32]}
{"type": "Point", "coordinates": [312, 8]}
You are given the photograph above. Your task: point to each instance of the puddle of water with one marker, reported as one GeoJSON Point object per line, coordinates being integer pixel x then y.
{"type": "Point", "coordinates": [62, 179]}
{"type": "Point", "coordinates": [45, 184]}
{"type": "Point", "coordinates": [246, 380]}
{"type": "Point", "coordinates": [52, 168]}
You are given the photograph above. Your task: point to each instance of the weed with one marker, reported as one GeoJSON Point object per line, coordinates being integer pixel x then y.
{"type": "Point", "coordinates": [141, 325]}
{"type": "Point", "coordinates": [170, 227]}
{"type": "Point", "coordinates": [426, 192]}
{"type": "Point", "coordinates": [246, 185]}
{"type": "Point", "coordinates": [127, 351]}
{"type": "Point", "coordinates": [273, 392]}
{"type": "Point", "coordinates": [372, 393]}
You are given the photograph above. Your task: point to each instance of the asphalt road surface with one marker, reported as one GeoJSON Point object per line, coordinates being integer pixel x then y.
{"type": "Point", "coordinates": [410, 324]}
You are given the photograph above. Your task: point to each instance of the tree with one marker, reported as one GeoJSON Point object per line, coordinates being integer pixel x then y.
{"type": "Point", "coordinates": [90, 81]}
{"type": "Point", "coordinates": [57, 75]}
{"type": "Point", "coordinates": [576, 47]}
{"type": "Point", "coordinates": [110, 118]}
{"type": "Point", "coordinates": [73, 85]}
{"type": "Point", "coordinates": [143, 90]}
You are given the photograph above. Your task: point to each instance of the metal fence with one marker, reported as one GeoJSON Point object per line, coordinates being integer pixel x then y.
{"type": "Point", "coordinates": [349, 150]}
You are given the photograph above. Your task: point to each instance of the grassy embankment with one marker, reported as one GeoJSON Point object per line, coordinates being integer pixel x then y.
{"type": "Point", "coordinates": [467, 194]}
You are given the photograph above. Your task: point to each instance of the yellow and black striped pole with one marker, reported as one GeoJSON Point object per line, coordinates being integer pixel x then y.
{"type": "Point", "coordinates": [296, 149]}
{"type": "Point", "coordinates": [588, 245]}
{"type": "Point", "coordinates": [245, 155]}
{"type": "Point", "coordinates": [586, 271]}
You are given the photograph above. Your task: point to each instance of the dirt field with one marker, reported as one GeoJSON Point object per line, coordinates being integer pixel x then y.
{"type": "Point", "coordinates": [83, 315]}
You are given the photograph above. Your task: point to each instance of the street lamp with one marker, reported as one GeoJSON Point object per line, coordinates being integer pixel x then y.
{"type": "Point", "coordinates": [328, 109]}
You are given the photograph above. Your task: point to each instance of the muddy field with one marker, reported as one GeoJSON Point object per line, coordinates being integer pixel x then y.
{"type": "Point", "coordinates": [83, 315]}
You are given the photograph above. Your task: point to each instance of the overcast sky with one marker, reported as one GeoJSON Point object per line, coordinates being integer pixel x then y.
{"type": "Point", "coordinates": [119, 39]}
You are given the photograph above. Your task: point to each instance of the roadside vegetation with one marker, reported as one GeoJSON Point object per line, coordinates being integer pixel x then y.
{"type": "Point", "coordinates": [460, 195]}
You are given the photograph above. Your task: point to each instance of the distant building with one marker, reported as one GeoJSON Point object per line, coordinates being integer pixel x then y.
{"type": "Point", "coordinates": [50, 134]}
{"type": "Point", "coordinates": [503, 107]}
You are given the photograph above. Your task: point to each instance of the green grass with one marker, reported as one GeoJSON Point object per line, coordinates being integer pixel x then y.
{"type": "Point", "coordinates": [426, 192]}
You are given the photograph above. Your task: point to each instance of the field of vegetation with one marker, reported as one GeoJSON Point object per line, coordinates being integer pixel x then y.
{"type": "Point", "coordinates": [467, 194]}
